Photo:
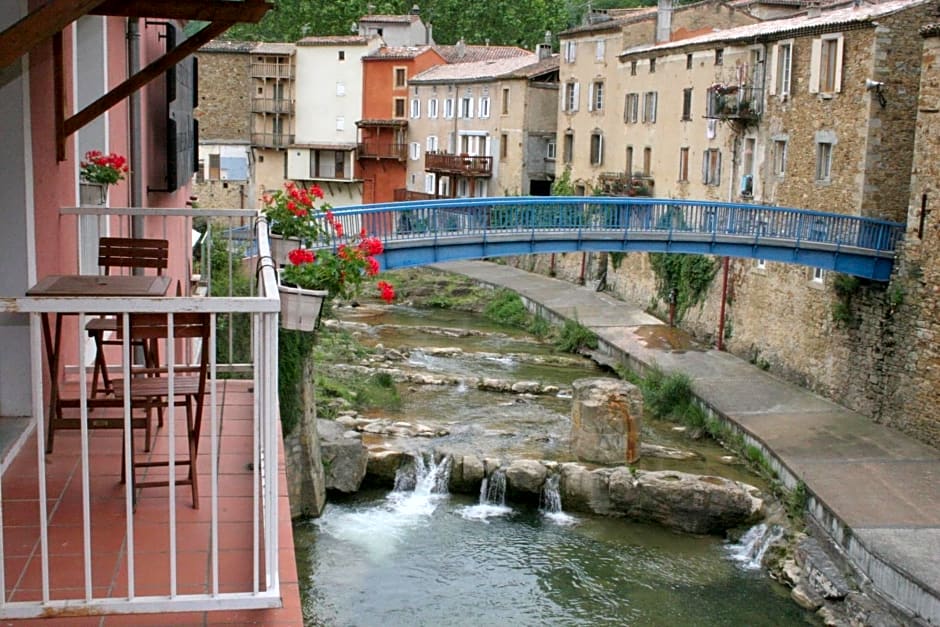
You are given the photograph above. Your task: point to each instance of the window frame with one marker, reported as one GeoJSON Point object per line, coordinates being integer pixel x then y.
{"type": "Point", "coordinates": [399, 108]}
{"type": "Point", "coordinates": [596, 98]}
{"type": "Point", "coordinates": [551, 149]}
{"type": "Point", "coordinates": [683, 164]}
{"type": "Point", "coordinates": [399, 71]}
{"type": "Point", "coordinates": [504, 104]}
{"type": "Point", "coordinates": [465, 109]}
{"type": "Point", "coordinates": [414, 151]}
{"type": "Point", "coordinates": [711, 167]}
{"type": "Point", "coordinates": [820, 69]}
{"type": "Point", "coordinates": [448, 108]}
{"type": "Point", "coordinates": [483, 107]}
{"type": "Point", "coordinates": [596, 149]}
{"type": "Point", "coordinates": [415, 111]}
{"type": "Point", "coordinates": [650, 103]}
{"type": "Point", "coordinates": [824, 151]}
{"type": "Point", "coordinates": [687, 104]}
{"type": "Point", "coordinates": [780, 150]}
{"type": "Point", "coordinates": [631, 108]}
{"type": "Point", "coordinates": [568, 147]}
{"type": "Point", "coordinates": [433, 106]}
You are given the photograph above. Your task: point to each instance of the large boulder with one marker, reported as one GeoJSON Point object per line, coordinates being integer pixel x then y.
{"type": "Point", "coordinates": [344, 459]}
{"type": "Point", "coordinates": [526, 475]}
{"type": "Point", "coordinates": [683, 501]}
{"type": "Point", "coordinates": [583, 490]}
{"type": "Point", "coordinates": [466, 473]}
{"type": "Point", "coordinates": [383, 465]}
{"type": "Point", "coordinates": [605, 421]}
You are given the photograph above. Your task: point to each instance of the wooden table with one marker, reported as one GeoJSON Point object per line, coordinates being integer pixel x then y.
{"type": "Point", "coordinates": [83, 286]}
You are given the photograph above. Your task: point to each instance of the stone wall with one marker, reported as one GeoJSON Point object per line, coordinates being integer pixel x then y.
{"type": "Point", "coordinates": [223, 194]}
{"type": "Point", "coordinates": [224, 98]}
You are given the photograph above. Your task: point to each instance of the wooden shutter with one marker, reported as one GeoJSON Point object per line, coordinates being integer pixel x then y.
{"type": "Point", "coordinates": [774, 54]}
{"type": "Point", "coordinates": [814, 63]}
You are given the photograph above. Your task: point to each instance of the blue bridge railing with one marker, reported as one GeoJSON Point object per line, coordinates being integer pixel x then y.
{"type": "Point", "coordinates": [418, 233]}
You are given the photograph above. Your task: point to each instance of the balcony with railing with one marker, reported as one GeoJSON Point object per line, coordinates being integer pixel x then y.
{"type": "Point", "coordinates": [382, 149]}
{"type": "Point", "coordinates": [462, 165]}
{"type": "Point", "coordinates": [272, 70]}
{"type": "Point", "coordinates": [741, 104]}
{"type": "Point", "coordinates": [272, 140]}
{"type": "Point", "coordinates": [102, 516]}
{"type": "Point", "coordinates": [272, 105]}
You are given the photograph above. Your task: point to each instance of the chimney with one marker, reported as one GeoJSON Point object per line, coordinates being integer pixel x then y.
{"type": "Point", "coordinates": [544, 50]}
{"type": "Point", "coordinates": [415, 10]}
{"type": "Point", "coordinates": [812, 8]}
{"type": "Point", "coordinates": [461, 48]}
{"type": "Point", "coordinates": [663, 21]}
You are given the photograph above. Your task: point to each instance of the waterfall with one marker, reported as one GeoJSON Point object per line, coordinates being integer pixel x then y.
{"type": "Point", "coordinates": [550, 501]}
{"type": "Point", "coordinates": [750, 549]}
{"type": "Point", "coordinates": [492, 501]}
{"type": "Point", "coordinates": [423, 476]}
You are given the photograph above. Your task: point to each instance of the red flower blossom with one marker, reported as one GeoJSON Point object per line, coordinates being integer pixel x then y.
{"type": "Point", "coordinates": [372, 267]}
{"type": "Point", "coordinates": [316, 191]}
{"type": "Point", "coordinates": [386, 291]}
{"type": "Point", "coordinates": [301, 255]}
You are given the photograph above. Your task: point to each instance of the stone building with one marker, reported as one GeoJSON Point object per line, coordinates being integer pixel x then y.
{"type": "Point", "coordinates": [483, 128]}
{"type": "Point", "coordinates": [397, 30]}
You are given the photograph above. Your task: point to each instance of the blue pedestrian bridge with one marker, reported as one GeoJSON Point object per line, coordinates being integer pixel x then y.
{"type": "Point", "coordinates": [431, 231]}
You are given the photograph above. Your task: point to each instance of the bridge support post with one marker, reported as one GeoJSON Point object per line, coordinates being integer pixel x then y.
{"type": "Point", "coordinates": [721, 308]}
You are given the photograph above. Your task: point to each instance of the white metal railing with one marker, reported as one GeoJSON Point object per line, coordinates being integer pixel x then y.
{"type": "Point", "coordinates": [249, 544]}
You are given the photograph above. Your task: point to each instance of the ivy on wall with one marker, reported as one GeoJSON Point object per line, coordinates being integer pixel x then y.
{"type": "Point", "coordinates": [689, 275]}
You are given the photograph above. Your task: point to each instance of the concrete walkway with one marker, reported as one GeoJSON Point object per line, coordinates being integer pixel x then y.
{"type": "Point", "coordinates": [875, 491]}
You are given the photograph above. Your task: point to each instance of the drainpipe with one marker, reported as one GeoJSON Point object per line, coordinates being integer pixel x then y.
{"type": "Point", "coordinates": [133, 112]}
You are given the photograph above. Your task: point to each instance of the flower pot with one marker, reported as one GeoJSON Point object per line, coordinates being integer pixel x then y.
{"type": "Point", "coordinates": [280, 246]}
{"type": "Point", "coordinates": [300, 308]}
{"type": "Point", "coordinates": [92, 194]}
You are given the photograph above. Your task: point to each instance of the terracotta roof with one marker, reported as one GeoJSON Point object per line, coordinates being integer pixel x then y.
{"type": "Point", "coordinates": [225, 45]}
{"type": "Point", "coordinates": [472, 54]}
{"type": "Point", "coordinates": [539, 67]}
{"type": "Point", "coordinates": [334, 40]}
{"type": "Point", "coordinates": [397, 52]}
{"type": "Point", "coordinates": [472, 72]}
{"type": "Point", "coordinates": [612, 23]}
{"type": "Point", "coordinates": [386, 19]}
{"type": "Point", "coordinates": [776, 29]}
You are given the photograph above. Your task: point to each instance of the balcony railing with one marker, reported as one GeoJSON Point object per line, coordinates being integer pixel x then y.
{"type": "Point", "coordinates": [741, 103]}
{"type": "Point", "coordinates": [272, 105]}
{"type": "Point", "coordinates": [272, 70]}
{"type": "Point", "coordinates": [402, 195]}
{"type": "Point", "coordinates": [272, 140]}
{"type": "Point", "coordinates": [73, 541]}
{"type": "Point", "coordinates": [464, 165]}
{"type": "Point", "coordinates": [373, 149]}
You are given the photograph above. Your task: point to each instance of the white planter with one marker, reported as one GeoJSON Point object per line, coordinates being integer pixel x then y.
{"type": "Point", "coordinates": [280, 247]}
{"type": "Point", "coordinates": [300, 308]}
{"type": "Point", "coordinates": [93, 194]}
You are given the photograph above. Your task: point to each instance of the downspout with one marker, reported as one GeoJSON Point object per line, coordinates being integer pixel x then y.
{"type": "Point", "coordinates": [134, 115]}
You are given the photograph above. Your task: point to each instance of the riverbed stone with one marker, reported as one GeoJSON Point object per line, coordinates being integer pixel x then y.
{"type": "Point", "coordinates": [700, 504]}
{"type": "Point", "coordinates": [666, 452]}
{"type": "Point", "coordinates": [526, 387]}
{"type": "Point", "coordinates": [466, 473]}
{"type": "Point", "coordinates": [583, 490]}
{"type": "Point", "coordinates": [605, 421]}
{"type": "Point", "coordinates": [821, 572]}
{"type": "Point", "coordinates": [526, 475]}
{"type": "Point", "coordinates": [383, 464]}
{"type": "Point", "coordinates": [345, 460]}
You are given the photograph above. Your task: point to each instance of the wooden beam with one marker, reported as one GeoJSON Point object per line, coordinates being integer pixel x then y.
{"type": "Point", "coordinates": [205, 10]}
{"type": "Point", "coordinates": [152, 71]}
{"type": "Point", "coordinates": [58, 94]}
{"type": "Point", "coordinates": [40, 25]}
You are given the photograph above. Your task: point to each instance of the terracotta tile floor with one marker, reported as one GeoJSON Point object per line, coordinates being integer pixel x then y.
{"type": "Point", "coordinates": [109, 538]}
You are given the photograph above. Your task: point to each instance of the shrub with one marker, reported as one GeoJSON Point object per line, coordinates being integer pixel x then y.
{"type": "Point", "coordinates": [574, 336]}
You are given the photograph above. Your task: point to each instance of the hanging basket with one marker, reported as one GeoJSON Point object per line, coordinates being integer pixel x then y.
{"type": "Point", "coordinates": [93, 194]}
{"type": "Point", "coordinates": [300, 308]}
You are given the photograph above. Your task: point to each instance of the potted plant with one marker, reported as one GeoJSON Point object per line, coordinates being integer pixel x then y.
{"type": "Point", "coordinates": [99, 171]}
{"type": "Point", "coordinates": [327, 263]}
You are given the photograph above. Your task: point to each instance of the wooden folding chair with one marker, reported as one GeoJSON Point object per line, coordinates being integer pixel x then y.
{"type": "Point", "coordinates": [150, 389]}
{"type": "Point", "coordinates": [121, 252]}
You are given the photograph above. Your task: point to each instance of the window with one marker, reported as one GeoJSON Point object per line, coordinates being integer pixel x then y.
{"type": "Point", "coordinates": [340, 88]}
{"type": "Point", "coordinates": [649, 107]}
{"type": "Point", "coordinates": [449, 108]}
{"type": "Point", "coordinates": [687, 104]}
{"type": "Point", "coordinates": [683, 164]}
{"type": "Point", "coordinates": [329, 164]}
{"type": "Point", "coordinates": [597, 148]}
{"type": "Point", "coordinates": [399, 108]}
{"type": "Point", "coordinates": [215, 167]}
{"type": "Point", "coordinates": [825, 74]}
{"type": "Point", "coordinates": [719, 56]}
{"type": "Point", "coordinates": [631, 108]}
{"type": "Point", "coordinates": [632, 68]}
{"type": "Point", "coordinates": [466, 107]}
{"type": "Point", "coordinates": [780, 70]}
{"type": "Point", "coordinates": [415, 149]}
{"type": "Point", "coordinates": [711, 167]}
{"type": "Point", "coordinates": [628, 168]}
{"type": "Point", "coordinates": [430, 183]}
{"type": "Point", "coordinates": [780, 157]}
{"type": "Point", "coordinates": [571, 97]}
{"type": "Point", "coordinates": [571, 49]}
{"type": "Point", "coordinates": [504, 103]}
{"type": "Point", "coordinates": [747, 168]}
{"type": "Point", "coordinates": [688, 61]}
{"type": "Point", "coordinates": [432, 108]}
{"type": "Point", "coordinates": [431, 143]}
{"type": "Point", "coordinates": [550, 149]}
{"type": "Point", "coordinates": [339, 164]}
{"type": "Point", "coordinates": [503, 145]}
{"type": "Point", "coordinates": [647, 161]}
{"type": "Point", "coordinates": [401, 77]}
{"type": "Point", "coordinates": [415, 108]}
{"type": "Point", "coordinates": [599, 49]}
{"type": "Point", "coordinates": [340, 123]}
{"type": "Point", "coordinates": [568, 148]}
{"type": "Point", "coordinates": [341, 55]}
{"type": "Point", "coordinates": [596, 102]}
{"type": "Point", "coordinates": [823, 161]}
{"type": "Point", "coordinates": [819, 275]}
{"type": "Point", "coordinates": [653, 65]}
{"type": "Point", "coordinates": [484, 107]}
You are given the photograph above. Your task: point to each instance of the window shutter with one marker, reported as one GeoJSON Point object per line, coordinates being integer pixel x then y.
{"type": "Point", "coordinates": [563, 92]}
{"type": "Point", "coordinates": [577, 96]}
{"type": "Point", "coordinates": [655, 102]}
{"type": "Point", "coordinates": [705, 168]}
{"type": "Point", "coordinates": [718, 170]}
{"type": "Point", "coordinates": [590, 101]}
{"type": "Point", "coordinates": [840, 43]}
{"type": "Point", "coordinates": [600, 149]}
{"type": "Point", "coordinates": [774, 54]}
{"type": "Point", "coordinates": [815, 59]}
{"type": "Point", "coordinates": [469, 107]}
